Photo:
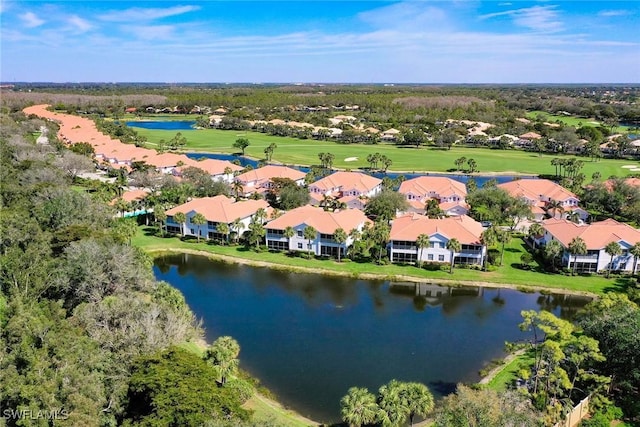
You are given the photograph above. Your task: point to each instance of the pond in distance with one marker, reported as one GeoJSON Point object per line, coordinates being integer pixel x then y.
{"type": "Point", "coordinates": [308, 338]}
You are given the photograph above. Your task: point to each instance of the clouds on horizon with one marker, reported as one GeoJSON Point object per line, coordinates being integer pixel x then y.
{"type": "Point", "coordinates": [415, 34]}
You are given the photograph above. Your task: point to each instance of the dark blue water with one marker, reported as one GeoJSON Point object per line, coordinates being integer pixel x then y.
{"type": "Point", "coordinates": [480, 179]}
{"type": "Point", "coordinates": [164, 125]}
{"type": "Point", "coordinates": [309, 338]}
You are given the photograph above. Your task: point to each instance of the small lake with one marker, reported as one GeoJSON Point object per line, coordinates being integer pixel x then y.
{"type": "Point", "coordinates": [308, 338]}
{"type": "Point", "coordinates": [163, 125]}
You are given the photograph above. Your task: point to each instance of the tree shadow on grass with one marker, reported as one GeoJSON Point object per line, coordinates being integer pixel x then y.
{"type": "Point", "coordinates": [622, 285]}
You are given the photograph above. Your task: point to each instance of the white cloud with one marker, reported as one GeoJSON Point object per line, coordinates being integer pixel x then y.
{"type": "Point", "coordinates": [613, 13]}
{"type": "Point", "coordinates": [151, 32]}
{"type": "Point", "coordinates": [79, 24]}
{"type": "Point", "coordinates": [31, 20]}
{"type": "Point", "coordinates": [538, 18]}
{"type": "Point", "coordinates": [145, 14]}
{"type": "Point", "coordinates": [407, 15]}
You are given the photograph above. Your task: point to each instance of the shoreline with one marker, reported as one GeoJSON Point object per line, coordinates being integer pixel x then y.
{"type": "Point", "coordinates": [155, 253]}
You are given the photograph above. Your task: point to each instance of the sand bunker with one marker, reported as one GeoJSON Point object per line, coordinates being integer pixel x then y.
{"type": "Point", "coordinates": [353, 159]}
{"type": "Point", "coordinates": [629, 166]}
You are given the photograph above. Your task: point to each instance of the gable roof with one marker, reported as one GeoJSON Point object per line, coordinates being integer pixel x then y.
{"type": "Point", "coordinates": [221, 208]}
{"type": "Point", "coordinates": [442, 186]}
{"type": "Point", "coordinates": [347, 181]}
{"type": "Point", "coordinates": [532, 189]}
{"type": "Point", "coordinates": [409, 227]}
{"type": "Point", "coordinates": [269, 172]}
{"type": "Point", "coordinates": [595, 235]}
{"type": "Point", "coordinates": [323, 221]}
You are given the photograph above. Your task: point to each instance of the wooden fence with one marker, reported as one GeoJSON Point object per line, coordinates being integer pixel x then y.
{"type": "Point", "coordinates": [576, 415]}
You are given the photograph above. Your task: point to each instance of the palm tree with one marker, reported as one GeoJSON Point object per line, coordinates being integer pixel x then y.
{"type": "Point", "coordinates": [180, 218]}
{"type": "Point", "coordinates": [121, 206]}
{"type": "Point", "coordinates": [454, 246]}
{"type": "Point", "coordinates": [472, 165]}
{"type": "Point", "coordinates": [535, 230]}
{"type": "Point", "coordinates": [635, 251]}
{"type": "Point", "coordinates": [161, 216]}
{"type": "Point", "coordinates": [432, 209]}
{"type": "Point", "coordinates": [309, 233]}
{"type": "Point", "coordinates": [260, 215]}
{"type": "Point", "coordinates": [552, 250]}
{"type": "Point", "coordinates": [422, 241]}
{"type": "Point", "coordinates": [256, 231]}
{"type": "Point", "coordinates": [223, 355]}
{"type": "Point", "coordinates": [504, 237]}
{"type": "Point", "coordinates": [237, 225]}
{"type": "Point", "coordinates": [488, 238]}
{"type": "Point", "coordinates": [359, 407]}
{"type": "Point", "coordinates": [238, 189]}
{"type": "Point", "coordinates": [554, 206]}
{"type": "Point", "coordinates": [576, 247]}
{"type": "Point", "coordinates": [223, 229]}
{"type": "Point", "coordinates": [289, 232]}
{"type": "Point", "coordinates": [198, 219]}
{"type": "Point", "coordinates": [339, 236]}
{"type": "Point", "coordinates": [613, 249]}
{"type": "Point", "coordinates": [419, 399]}
{"type": "Point", "coordinates": [574, 217]}
{"type": "Point", "coordinates": [395, 408]}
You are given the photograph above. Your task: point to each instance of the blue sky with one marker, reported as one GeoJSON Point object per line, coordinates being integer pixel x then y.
{"type": "Point", "coordinates": [429, 41]}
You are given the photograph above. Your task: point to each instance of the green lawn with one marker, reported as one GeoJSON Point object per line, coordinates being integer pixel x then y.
{"type": "Point", "coordinates": [305, 152]}
{"type": "Point", "coordinates": [509, 372]}
{"type": "Point", "coordinates": [571, 121]}
{"type": "Point", "coordinates": [508, 275]}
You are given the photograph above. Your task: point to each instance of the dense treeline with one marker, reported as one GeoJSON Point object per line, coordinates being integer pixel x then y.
{"type": "Point", "coordinates": [80, 310]}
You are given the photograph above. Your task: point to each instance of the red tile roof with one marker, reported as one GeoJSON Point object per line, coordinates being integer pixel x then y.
{"type": "Point", "coordinates": [533, 189]}
{"type": "Point", "coordinates": [442, 186]}
{"type": "Point", "coordinates": [322, 221]}
{"type": "Point", "coordinates": [269, 172]}
{"type": "Point", "coordinates": [409, 227]}
{"type": "Point", "coordinates": [596, 235]}
{"type": "Point", "coordinates": [221, 208]}
{"type": "Point", "coordinates": [346, 181]}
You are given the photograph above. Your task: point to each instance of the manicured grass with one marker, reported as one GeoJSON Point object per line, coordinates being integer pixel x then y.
{"type": "Point", "coordinates": [510, 372]}
{"type": "Point", "coordinates": [508, 275]}
{"type": "Point", "coordinates": [305, 152]}
{"type": "Point", "coordinates": [571, 121]}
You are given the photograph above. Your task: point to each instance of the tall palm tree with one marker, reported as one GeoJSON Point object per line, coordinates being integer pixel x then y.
{"type": "Point", "coordinates": [422, 241]}
{"type": "Point", "coordinates": [198, 219]}
{"type": "Point", "coordinates": [237, 225]}
{"type": "Point", "coordinates": [554, 206]}
{"type": "Point", "coordinates": [359, 407]}
{"type": "Point", "coordinates": [310, 234]}
{"type": "Point", "coordinates": [161, 216]}
{"type": "Point", "coordinates": [574, 217]}
{"type": "Point", "coordinates": [238, 189]}
{"type": "Point", "coordinates": [289, 232]}
{"type": "Point", "coordinates": [395, 408]}
{"type": "Point", "coordinates": [418, 398]}
{"type": "Point", "coordinates": [635, 251]}
{"type": "Point", "coordinates": [504, 237]}
{"type": "Point", "coordinates": [535, 230]}
{"type": "Point", "coordinates": [576, 247]}
{"type": "Point", "coordinates": [552, 250]}
{"type": "Point", "coordinates": [454, 246]}
{"type": "Point", "coordinates": [223, 229]}
{"type": "Point", "coordinates": [223, 355]}
{"type": "Point", "coordinates": [339, 236]}
{"type": "Point", "coordinates": [612, 249]}
{"type": "Point", "coordinates": [488, 238]}
{"type": "Point", "coordinates": [180, 218]}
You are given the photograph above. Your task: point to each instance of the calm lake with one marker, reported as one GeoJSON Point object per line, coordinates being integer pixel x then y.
{"type": "Point", "coordinates": [164, 125]}
{"type": "Point", "coordinates": [308, 338]}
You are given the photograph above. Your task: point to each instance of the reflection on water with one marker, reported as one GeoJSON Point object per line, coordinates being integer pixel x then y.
{"type": "Point", "coordinates": [310, 337]}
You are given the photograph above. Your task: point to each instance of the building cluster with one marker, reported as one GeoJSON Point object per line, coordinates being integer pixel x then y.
{"type": "Point", "coordinates": [414, 237]}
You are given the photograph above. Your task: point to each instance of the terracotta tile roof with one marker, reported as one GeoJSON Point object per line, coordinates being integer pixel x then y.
{"type": "Point", "coordinates": [533, 189]}
{"type": "Point", "coordinates": [324, 222]}
{"type": "Point", "coordinates": [442, 186]}
{"type": "Point", "coordinates": [269, 172]}
{"type": "Point", "coordinates": [346, 181]}
{"type": "Point", "coordinates": [530, 135]}
{"type": "Point", "coordinates": [462, 227]}
{"type": "Point", "coordinates": [633, 182]}
{"type": "Point", "coordinates": [80, 129]}
{"type": "Point", "coordinates": [133, 195]}
{"type": "Point", "coordinates": [221, 208]}
{"type": "Point", "coordinates": [596, 235]}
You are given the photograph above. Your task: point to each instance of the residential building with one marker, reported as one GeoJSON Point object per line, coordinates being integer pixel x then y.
{"type": "Point", "coordinates": [596, 236]}
{"type": "Point", "coordinates": [260, 179]}
{"type": "Point", "coordinates": [351, 188]}
{"type": "Point", "coordinates": [217, 210]}
{"type": "Point", "coordinates": [325, 223]}
{"type": "Point", "coordinates": [540, 193]}
{"type": "Point", "coordinates": [406, 229]}
{"type": "Point", "coordinates": [449, 193]}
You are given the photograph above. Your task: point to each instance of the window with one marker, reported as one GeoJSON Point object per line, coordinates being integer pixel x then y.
{"type": "Point", "coordinates": [430, 257]}
{"type": "Point", "coordinates": [300, 235]}
{"type": "Point", "coordinates": [299, 245]}
{"type": "Point", "coordinates": [441, 258]}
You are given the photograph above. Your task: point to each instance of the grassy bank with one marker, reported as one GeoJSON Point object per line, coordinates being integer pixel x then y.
{"type": "Point", "coordinates": [509, 275]}
{"type": "Point", "coordinates": [571, 121]}
{"type": "Point", "coordinates": [305, 152]}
